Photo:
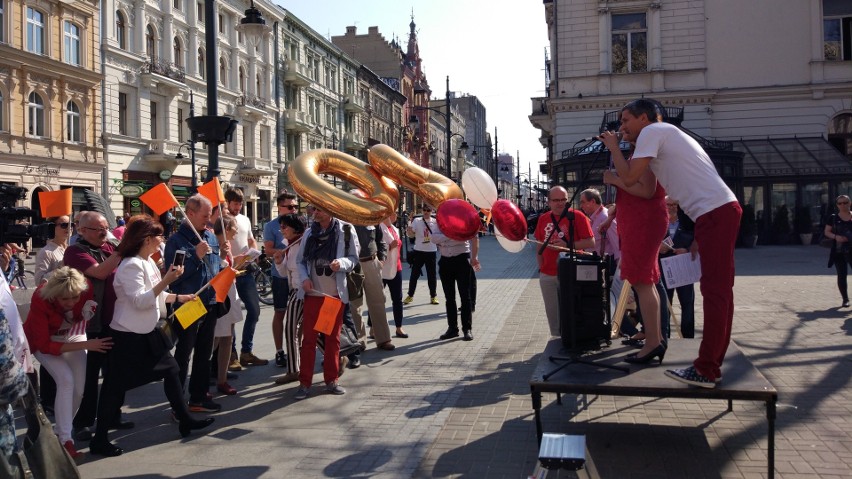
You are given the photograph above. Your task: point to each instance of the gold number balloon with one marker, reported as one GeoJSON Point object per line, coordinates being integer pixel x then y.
{"type": "Point", "coordinates": [382, 194]}
{"type": "Point", "coordinates": [433, 187]}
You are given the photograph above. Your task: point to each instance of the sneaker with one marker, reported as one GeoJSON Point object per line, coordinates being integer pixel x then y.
{"type": "Point", "coordinates": [281, 359]}
{"type": "Point", "coordinates": [302, 393]}
{"type": "Point", "coordinates": [408, 300]}
{"type": "Point", "coordinates": [249, 359]}
{"type": "Point", "coordinates": [204, 406]}
{"type": "Point", "coordinates": [226, 389]}
{"type": "Point", "coordinates": [434, 300]}
{"type": "Point", "coordinates": [354, 362]}
{"type": "Point", "coordinates": [72, 451]}
{"type": "Point", "coordinates": [334, 388]}
{"type": "Point", "coordinates": [690, 376]}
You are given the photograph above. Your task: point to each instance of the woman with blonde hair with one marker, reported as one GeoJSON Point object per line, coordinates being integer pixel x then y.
{"type": "Point", "coordinates": [56, 331]}
{"type": "Point", "coordinates": [141, 355]}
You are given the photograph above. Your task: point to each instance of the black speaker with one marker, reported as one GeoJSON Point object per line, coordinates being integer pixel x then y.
{"type": "Point", "coordinates": [583, 302]}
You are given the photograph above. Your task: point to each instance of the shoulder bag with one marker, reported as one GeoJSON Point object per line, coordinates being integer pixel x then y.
{"type": "Point", "coordinates": [354, 278]}
{"type": "Point", "coordinates": [42, 456]}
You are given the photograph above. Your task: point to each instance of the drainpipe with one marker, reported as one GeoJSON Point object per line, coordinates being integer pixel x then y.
{"type": "Point", "coordinates": [279, 164]}
{"type": "Point", "coordinates": [105, 170]}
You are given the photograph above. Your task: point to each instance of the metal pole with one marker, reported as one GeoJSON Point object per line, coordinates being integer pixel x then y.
{"type": "Point", "coordinates": [210, 31]}
{"type": "Point", "coordinates": [192, 144]}
{"type": "Point", "coordinates": [496, 159]}
{"type": "Point", "coordinates": [449, 133]}
{"type": "Point", "coordinates": [518, 174]}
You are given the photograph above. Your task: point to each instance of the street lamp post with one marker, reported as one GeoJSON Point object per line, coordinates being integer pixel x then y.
{"type": "Point", "coordinates": [190, 145]}
{"type": "Point", "coordinates": [518, 175]}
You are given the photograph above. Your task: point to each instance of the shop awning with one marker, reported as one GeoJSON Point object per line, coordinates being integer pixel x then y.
{"type": "Point", "coordinates": [791, 157]}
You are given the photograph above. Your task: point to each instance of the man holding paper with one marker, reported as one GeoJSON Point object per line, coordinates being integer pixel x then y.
{"type": "Point", "coordinates": [200, 266]}
{"type": "Point", "coordinates": [323, 261]}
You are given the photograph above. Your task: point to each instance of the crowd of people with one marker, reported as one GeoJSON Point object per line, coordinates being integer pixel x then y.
{"type": "Point", "coordinates": [103, 296]}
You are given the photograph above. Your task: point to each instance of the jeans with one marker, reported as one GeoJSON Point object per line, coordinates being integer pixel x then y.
{"type": "Point", "coordinates": [247, 289]}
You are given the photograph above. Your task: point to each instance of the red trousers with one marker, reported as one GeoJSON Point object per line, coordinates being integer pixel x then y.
{"type": "Point", "coordinates": [308, 353]}
{"type": "Point", "coordinates": [716, 233]}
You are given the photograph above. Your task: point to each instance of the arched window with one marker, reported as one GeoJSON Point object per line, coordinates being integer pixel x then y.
{"type": "Point", "coordinates": [178, 54]}
{"type": "Point", "coordinates": [35, 31]}
{"type": "Point", "coordinates": [223, 70]}
{"type": "Point", "coordinates": [35, 119]}
{"type": "Point", "coordinates": [72, 43]}
{"type": "Point", "coordinates": [202, 71]}
{"type": "Point", "coordinates": [72, 121]}
{"type": "Point", "coordinates": [150, 43]}
{"type": "Point", "coordinates": [242, 80]}
{"type": "Point", "coordinates": [121, 29]}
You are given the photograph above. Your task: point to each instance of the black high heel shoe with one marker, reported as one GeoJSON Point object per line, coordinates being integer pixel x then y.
{"type": "Point", "coordinates": [104, 448]}
{"type": "Point", "coordinates": [658, 352]}
{"type": "Point", "coordinates": [188, 425]}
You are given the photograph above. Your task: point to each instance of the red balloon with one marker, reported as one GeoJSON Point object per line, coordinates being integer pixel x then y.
{"type": "Point", "coordinates": [458, 220]}
{"type": "Point", "coordinates": [509, 219]}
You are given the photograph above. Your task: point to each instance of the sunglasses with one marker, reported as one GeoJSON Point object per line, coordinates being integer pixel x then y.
{"type": "Point", "coordinates": [842, 202]}
{"type": "Point", "coordinates": [64, 225]}
{"type": "Point", "coordinates": [290, 207]}
{"type": "Point", "coordinates": [323, 269]}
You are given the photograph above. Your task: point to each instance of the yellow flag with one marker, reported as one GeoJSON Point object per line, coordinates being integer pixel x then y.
{"type": "Point", "coordinates": [189, 312]}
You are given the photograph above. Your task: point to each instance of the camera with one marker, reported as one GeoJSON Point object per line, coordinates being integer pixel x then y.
{"type": "Point", "coordinates": [10, 216]}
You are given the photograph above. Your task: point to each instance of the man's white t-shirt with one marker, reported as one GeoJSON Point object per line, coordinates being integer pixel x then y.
{"type": "Point", "coordinates": [683, 168]}
{"type": "Point", "coordinates": [239, 244]}
{"type": "Point", "coordinates": [423, 238]}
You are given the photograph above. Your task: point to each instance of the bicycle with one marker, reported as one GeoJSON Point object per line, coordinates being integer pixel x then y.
{"type": "Point", "coordinates": [17, 276]}
{"type": "Point", "coordinates": [262, 272]}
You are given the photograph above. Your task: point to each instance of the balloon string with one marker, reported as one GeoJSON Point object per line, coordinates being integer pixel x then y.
{"type": "Point", "coordinates": [559, 248]}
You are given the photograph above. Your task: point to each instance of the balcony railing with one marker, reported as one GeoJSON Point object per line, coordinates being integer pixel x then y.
{"type": "Point", "coordinates": [168, 70]}
{"type": "Point", "coordinates": [354, 103]}
{"type": "Point", "coordinates": [354, 141]}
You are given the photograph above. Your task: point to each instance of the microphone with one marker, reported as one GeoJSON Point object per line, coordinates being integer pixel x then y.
{"type": "Point", "coordinates": [618, 135]}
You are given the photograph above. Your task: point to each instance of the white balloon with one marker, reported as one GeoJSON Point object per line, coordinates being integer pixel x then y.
{"type": "Point", "coordinates": [509, 245]}
{"type": "Point", "coordinates": [479, 187]}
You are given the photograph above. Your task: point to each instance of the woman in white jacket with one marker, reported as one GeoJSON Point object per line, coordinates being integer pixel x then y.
{"type": "Point", "coordinates": [140, 355]}
{"type": "Point", "coordinates": [292, 227]}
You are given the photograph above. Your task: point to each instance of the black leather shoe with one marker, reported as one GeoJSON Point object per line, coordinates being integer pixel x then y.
{"type": "Point", "coordinates": [468, 335]}
{"type": "Point", "coordinates": [354, 362]}
{"type": "Point", "coordinates": [104, 448]}
{"type": "Point", "coordinates": [451, 333]}
{"type": "Point", "coordinates": [191, 424]}
{"type": "Point", "coordinates": [81, 434]}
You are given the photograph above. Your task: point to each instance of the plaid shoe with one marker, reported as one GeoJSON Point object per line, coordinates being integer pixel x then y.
{"type": "Point", "coordinates": [690, 376]}
{"type": "Point", "coordinates": [334, 388]}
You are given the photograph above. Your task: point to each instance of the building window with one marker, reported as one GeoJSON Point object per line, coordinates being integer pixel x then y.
{"type": "Point", "coordinates": [629, 43]}
{"type": "Point", "coordinates": [178, 53]}
{"type": "Point", "coordinates": [180, 125]}
{"type": "Point", "coordinates": [35, 120]}
{"type": "Point", "coordinates": [176, 4]}
{"type": "Point", "coordinates": [154, 120]}
{"type": "Point", "coordinates": [150, 43]}
{"type": "Point", "coordinates": [223, 70]}
{"type": "Point", "coordinates": [2, 112]}
{"type": "Point", "coordinates": [121, 30]}
{"type": "Point", "coordinates": [201, 70]}
{"type": "Point", "coordinates": [221, 23]}
{"type": "Point", "coordinates": [72, 43]}
{"type": "Point", "coordinates": [122, 113]}
{"type": "Point", "coordinates": [242, 80]}
{"type": "Point", "coordinates": [837, 30]}
{"type": "Point", "coordinates": [2, 21]}
{"type": "Point", "coordinates": [72, 117]}
{"type": "Point", "coordinates": [35, 31]}
{"type": "Point", "coordinates": [258, 89]}
{"type": "Point", "coordinates": [200, 12]}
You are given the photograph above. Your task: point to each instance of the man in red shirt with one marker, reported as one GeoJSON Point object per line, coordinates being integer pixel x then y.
{"type": "Point", "coordinates": [583, 236]}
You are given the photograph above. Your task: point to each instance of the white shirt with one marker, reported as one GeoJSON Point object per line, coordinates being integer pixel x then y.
{"type": "Point", "coordinates": [423, 238]}
{"type": "Point", "coordinates": [389, 267]}
{"type": "Point", "coordinates": [289, 268]}
{"type": "Point", "coordinates": [240, 243]}
{"type": "Point", "coordinates": [137, 310]}
{"type": "Point", "coordinates": [683, 168]}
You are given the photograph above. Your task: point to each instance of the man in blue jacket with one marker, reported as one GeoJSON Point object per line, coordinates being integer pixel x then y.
{"type": "Point", "coordinates": [200, 266]}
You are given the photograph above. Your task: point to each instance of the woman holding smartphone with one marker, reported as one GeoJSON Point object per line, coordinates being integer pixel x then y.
{"type": "Point", "coordinates": [139, 354]}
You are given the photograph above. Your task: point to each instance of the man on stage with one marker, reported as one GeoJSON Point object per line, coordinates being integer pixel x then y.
{"type": "Point", "coordinates": [557, 198]}
{"type": "Point", "coordinates": [685, 170]}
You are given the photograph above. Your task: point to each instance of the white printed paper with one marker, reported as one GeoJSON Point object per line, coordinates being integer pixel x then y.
{"type": "Point", "coordinates": [680, 270]}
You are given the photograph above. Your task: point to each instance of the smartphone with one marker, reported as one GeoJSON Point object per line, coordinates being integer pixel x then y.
{"type": "Point", "coordinates": [180, 256]}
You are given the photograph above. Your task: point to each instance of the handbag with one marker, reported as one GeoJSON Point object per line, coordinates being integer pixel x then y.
{"type": "Point", "coordinates": [42, 456]}
{"type": "Point", "coordinates": [349, 343]}
{"type": "Point", "coordinates": [354, 278]}
{"type": "Point", "coordinates": [167, 333]}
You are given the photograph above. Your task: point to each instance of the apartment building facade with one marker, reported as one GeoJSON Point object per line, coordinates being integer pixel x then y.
{"type": "Point", "coordinates": [50, 98]}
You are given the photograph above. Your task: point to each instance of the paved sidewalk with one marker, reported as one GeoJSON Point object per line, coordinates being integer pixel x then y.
{"type": "Point", "coordinates": [462, 409]}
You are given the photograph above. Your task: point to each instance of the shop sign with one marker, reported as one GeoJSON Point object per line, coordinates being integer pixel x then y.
{"type": "Point", "coordinates": [165, 175]}
{"type": "Point", "coordinates": [250, 179]}
{"type": "Point", "coordinates": [131, 191]}
{"type": "Point", "coordinates": [135, 203]}
{"type": "Point", "coordinates": [40, 170]}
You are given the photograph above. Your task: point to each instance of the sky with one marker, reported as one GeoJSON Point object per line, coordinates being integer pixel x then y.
{"type": "Point", "coordinates": [493, 50]}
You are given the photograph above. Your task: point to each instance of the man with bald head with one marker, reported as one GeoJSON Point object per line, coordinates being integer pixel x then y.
{"type": "Point", "coordinates": [554, 229]}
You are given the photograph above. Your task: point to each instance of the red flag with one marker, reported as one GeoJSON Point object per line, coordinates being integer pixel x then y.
{"type": "Point", "coordinates": [222, 283]}
{"type": "Point", "coordinates": [212, 190]}
{"type": "Point", "coordinates": [55, 203]}
{"type": "Point", "coordinates": [160, 199]}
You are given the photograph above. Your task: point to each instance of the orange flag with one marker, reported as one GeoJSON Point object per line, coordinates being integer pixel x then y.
{"type": "Point", "coordinates": [222, 283]}
{"type": "Point", "coordinates": [328, 312]}
{"type": "Point", "coordinates": [55, 203]}
{"type": "Point", "coordinates": [212, 190]}
{"type": "Point", "coordinates": [160, 199]}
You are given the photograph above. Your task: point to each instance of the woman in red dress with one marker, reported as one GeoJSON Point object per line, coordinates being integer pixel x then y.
{"type": "Point", "coordinates": [642, 222]}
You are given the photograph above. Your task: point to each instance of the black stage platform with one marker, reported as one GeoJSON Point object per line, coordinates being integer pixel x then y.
{"type": "Point", "coordinates": [741, 380]}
